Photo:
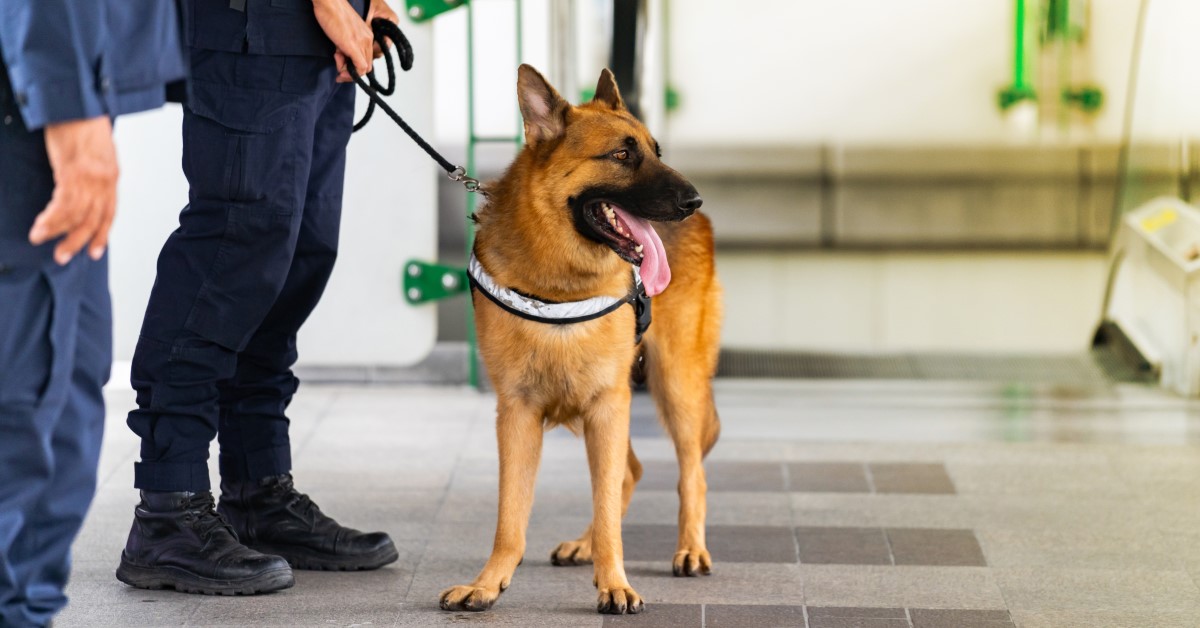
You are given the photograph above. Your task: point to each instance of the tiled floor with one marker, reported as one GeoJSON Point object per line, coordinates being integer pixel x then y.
{"type": "Point", "coordinates": [831, 505]}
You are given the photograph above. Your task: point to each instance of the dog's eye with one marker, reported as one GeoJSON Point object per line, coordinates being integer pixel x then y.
{"type": "Point", "coordinates": [621, 155]}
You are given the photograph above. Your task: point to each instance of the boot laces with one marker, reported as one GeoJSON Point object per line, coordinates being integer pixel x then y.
{"type": "Point", "coordinates": [202, 513]}
{"type": "Point", "coordinates": [299, 503]}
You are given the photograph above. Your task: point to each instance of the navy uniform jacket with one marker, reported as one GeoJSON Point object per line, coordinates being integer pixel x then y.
{"type": "Point", "coordinates": [70, 60]}
{"type": "Point", "coordinates": [264, 27]}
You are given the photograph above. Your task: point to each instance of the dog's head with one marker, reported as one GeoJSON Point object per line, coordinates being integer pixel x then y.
{"type": "Point", "coordinates": [603, 168]}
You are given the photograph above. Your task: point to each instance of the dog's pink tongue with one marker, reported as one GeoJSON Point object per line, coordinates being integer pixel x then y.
{"type": "Point", "coordinates": [655, 271]}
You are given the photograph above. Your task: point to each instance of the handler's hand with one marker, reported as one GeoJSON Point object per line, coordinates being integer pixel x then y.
{"type": "Point", "coordinates": [380, 8]}
{"type": "Point", "coordinates": [84, 202]}
{"type": "Point", "coordinates": [349, 33]}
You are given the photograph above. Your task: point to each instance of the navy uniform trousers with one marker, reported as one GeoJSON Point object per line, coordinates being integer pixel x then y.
{"type": "Point", "coordinates": [55, 352]}
{"type": "Point", "coordinates": [264, 141]}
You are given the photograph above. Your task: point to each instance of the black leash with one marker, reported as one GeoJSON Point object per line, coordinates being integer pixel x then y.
{"type": "Point", "coordinates": [387, 30]}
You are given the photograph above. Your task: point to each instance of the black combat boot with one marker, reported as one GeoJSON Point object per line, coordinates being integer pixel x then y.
{"type": "Point", "coordinates": [179, 541]}
{"type": "Point", "coordinates": [271, 516]}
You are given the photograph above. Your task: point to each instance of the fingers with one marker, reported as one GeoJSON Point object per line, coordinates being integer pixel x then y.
{"type": "Point", "coordinates": [77, 238]}
{"type": "Point", "coordinates": [339, 61]}
{"type": "Point", "coordinates": [68, 213]}
{"type": "Point", "coordinates": [100, 240]}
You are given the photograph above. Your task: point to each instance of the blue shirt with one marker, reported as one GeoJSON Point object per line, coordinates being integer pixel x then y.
{"type": "Point", "coordinates": [72, 59]}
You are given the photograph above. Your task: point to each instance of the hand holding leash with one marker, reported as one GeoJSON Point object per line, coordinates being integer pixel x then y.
{"type": "Point", "coordinates": [386, 30]}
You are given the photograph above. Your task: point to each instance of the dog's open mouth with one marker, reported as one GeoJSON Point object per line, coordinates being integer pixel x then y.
{"type": "Point", "coordinates": [635, 240]}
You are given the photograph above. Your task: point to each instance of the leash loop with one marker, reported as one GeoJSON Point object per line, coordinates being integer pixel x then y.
{"type": "Point", "coordinates": [386, 30]}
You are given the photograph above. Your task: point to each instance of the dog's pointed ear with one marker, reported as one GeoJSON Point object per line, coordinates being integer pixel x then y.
{"type": "Point", "coordinates": [607, 92]}
{"type": "Point", "coordinates": [544, 111]}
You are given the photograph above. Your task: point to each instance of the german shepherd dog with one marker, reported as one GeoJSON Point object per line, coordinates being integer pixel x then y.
{"type": "Point", "coordinates": [587, 197]}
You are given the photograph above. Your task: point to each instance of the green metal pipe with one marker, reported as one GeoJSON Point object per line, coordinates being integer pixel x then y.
{"type": "Point", "coordinates": [1020, 78]}
{"type": "Point", "coordinates": [472, 342]}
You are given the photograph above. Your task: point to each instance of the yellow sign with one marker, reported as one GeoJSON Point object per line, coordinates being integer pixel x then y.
{"type": "Point", "coordinates": [1153, 223]}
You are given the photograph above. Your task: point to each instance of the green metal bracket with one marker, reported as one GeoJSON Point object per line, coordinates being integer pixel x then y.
{"type": "Point", "coordinates": [425, 282]}
{"type": "Point", "coordinates": [1010, 96]}
{"type": "Point", "coordinates": [424, 10]}
{"type": "Point", "coordinates": [1088, 98]}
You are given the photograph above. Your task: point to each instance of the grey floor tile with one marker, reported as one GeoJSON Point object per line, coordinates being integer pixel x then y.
{"type": "Point", "coordinates": [1097, 589]}
{"type": "Point", "coordinates": [947, 548]}
{"type": "Point", "coordinates": [720, 475]}
{"type": "Point", "coordinates": [735, 544]}
{"type": "Point", "coordinates": [835, 617]}
{"type": "Point", "coordinates": [730, 583]}
{"type": "Point", "coordinates": [724, 508]}
{"type": "Point", "coordinates": [1082, 547]}
{"type": "Point", "coordinates": [661, 616]}
{"type": "Point", "coordinates": [828, 477]}
{"type": "Point", "coordinates": [1057, 478]}
{"type": "Point", "coordinates": [894, 510]}
{"type": "Point", "coordinates": [843, 546]}
{"type": "Point", "coordinates": [944, 618]}
{"type": "Point", "coordinates": [908, 587]}
{"type": "Point", "coordinates": [1095, 619]}
{"type": "Point", "coordinates": [752, 616]}
{"type": "Point", "coordinates": [903, 477]}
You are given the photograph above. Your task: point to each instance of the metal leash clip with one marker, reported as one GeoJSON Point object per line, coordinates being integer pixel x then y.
{"type": "Point", "coordinates": [459, 174]}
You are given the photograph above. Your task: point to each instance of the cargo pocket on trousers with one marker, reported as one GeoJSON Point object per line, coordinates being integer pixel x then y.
{"type": "Point", "coordinates": [253, 180]}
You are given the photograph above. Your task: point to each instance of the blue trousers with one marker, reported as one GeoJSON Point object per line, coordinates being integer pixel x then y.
{"type": "Point", "coordinates": [264, 141]}
{"type": "Point", "coordinates": [55, 354]}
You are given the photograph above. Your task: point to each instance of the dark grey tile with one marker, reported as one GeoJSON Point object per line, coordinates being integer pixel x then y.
{"type": "Point", "coordinates": [906, 477]}
{"type": "Point", "coordinates": [663, 475]}
{"type": "Point", "coordinates": [841, 611]}
{"type": "Point", "coordinates": [751, 544]}
{"type": "Point", "coordinates": [944, 548]}
{"type": "Point", "coordinates": [752, 616]}
{"type": "Point", "coordinates": [828, 477]}
{"type": "Point", "coordinates": [827, 617]}
{"type": "Point", "coordinates": [843, 546]}
{"type": "Point", "coordinates": [734, 544]}
{"type": "Point", "coordinates": [649, 542]}
{"type": "Point", "coordinates": [661, 616]}
{"type": "Point", "coordinates": [947, 618]}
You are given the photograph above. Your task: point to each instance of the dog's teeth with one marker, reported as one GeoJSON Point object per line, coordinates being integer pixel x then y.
{"type": "Point", "coordinates": [639, 248]}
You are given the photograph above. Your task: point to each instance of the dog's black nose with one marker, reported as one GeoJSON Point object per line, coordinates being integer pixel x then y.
{"type": "Point", "coordinates": [691, 203]}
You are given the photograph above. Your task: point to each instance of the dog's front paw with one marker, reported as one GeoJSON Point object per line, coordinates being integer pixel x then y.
{"type": "Point", "coordinates": [620, 600]}
{"type": "Point", "coordinates": [569, 553]}
{"type": "Point", "coordinates": [692, 562]}
{"type": "Point", "coordinates": [467, 597]}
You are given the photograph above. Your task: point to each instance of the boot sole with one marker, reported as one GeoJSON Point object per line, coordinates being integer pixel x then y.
{"type": "Point", "coordinates": [304, 558]}
{"type": "Point", "coordinates": [187, 582]}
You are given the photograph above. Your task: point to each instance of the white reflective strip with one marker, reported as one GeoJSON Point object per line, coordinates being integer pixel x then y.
{"type": "Point", "coordinates": [533, 307]}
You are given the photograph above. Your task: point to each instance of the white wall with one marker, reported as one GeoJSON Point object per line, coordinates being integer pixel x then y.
{"type": "Point", "coordinates": [389, 216]}
{"type": "Point", "coordinates": [894, 302]}
{"type": "Point", "coordinates": [805, 71]}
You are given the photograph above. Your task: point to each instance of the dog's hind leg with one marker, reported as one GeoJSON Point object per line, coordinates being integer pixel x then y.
{"type": "Point", "coordinates": [579, 551]}
{"type": "Point", "coordinates": [606, 434]}
{"type": "Point", "coordinates": [519, 436]}
{"type": "Point", "coordinates": [681, 360]}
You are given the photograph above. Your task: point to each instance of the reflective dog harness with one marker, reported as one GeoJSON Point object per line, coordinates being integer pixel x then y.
{"type": "Point", "coordinates": [551, 313]}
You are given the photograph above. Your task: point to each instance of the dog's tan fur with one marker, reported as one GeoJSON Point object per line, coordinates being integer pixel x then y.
{"type": "Point", "coordinates": [578, 375]}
